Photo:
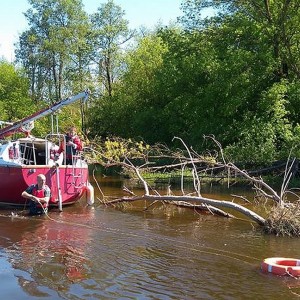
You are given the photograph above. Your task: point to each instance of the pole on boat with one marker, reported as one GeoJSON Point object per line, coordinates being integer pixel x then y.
{"type": "Point", "coordinates": [58, 189]}
{"type": "Point", "coordinates": [17, 126]}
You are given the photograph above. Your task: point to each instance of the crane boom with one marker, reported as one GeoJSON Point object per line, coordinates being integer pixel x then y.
{"type": "Point", "coordinates": [17, 126]}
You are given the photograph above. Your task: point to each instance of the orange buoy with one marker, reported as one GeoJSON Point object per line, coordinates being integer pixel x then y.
{"type": "Point", "coordinates": [281, 266]}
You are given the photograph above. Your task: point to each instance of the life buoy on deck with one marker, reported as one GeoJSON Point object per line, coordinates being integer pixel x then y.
{"type": "Point", "coordinates": [90, 198]}
{"type": "Point", "coordinates": [281, 266]}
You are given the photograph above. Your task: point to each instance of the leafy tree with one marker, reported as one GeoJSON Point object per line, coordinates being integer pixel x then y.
{"type": "Point", "coordinates": [53, 45]}
{"type": "Point", "coordinates": [266, 135]}
{"type": "Point", "coordinates": [211, 78]}
{"type": "Point", "coordinates": [255, 50]}
{"type": "Point", "coordinates": [127, 112]}
{"type": "Point", "coordinates": [110, 33]}
{"type": "Point", "coordinates": [278, 21]}
{"type": "Point", "coordinates": [14, 100]}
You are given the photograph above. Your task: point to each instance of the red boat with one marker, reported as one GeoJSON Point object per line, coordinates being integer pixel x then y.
{"type": "Point", "coordinates": [21, 160]}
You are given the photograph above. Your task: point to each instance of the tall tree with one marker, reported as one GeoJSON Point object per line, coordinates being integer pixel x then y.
{"type": "Point", "coordinates": [110, 33]}
{"type": "Point", "coordinates": [56, 35]}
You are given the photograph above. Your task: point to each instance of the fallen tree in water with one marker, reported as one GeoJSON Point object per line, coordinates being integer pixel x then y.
{"type": "Point", "coordinates": [187, 161]}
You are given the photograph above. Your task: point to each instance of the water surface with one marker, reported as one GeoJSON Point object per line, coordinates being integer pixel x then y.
{"type": "Point", "coordinates": [127, 253]}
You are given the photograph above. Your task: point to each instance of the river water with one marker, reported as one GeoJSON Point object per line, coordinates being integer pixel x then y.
{"type": "Point", "coordinates": [165, 252]}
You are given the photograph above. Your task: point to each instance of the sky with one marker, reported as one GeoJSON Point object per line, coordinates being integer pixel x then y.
{"type": "Point", "coordinates": [146, 13]}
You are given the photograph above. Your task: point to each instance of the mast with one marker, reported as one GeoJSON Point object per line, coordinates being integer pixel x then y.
{"type": "Point", "coordinates": [17, 126]}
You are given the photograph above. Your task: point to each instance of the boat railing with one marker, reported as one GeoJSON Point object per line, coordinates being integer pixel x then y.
{"type": "Point", "coordinates": [53, 144]}
{"type": "Point", "coordinates": [28, 153]}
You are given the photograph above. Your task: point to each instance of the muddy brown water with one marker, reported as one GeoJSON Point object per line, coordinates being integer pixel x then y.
{"type": "Point", "coordinates": [126, 253]}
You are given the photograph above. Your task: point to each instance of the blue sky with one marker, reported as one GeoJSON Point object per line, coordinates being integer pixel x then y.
{"type": "Point", "coordinates": [146, 13]}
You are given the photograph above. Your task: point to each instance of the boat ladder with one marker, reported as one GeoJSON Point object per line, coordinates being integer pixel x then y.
{"type": "Point", "coordinates": [77, 172]}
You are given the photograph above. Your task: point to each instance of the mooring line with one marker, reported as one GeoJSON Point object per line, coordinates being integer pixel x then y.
{"type": "Point", "coordinates": [184, 245]}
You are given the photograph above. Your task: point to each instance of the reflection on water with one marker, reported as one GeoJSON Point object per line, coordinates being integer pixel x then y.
{"type": "Point", "coordinates": [50, 252]}
{"type": "Point", "coordinates": [163, 253]}
{"type": "Point", "coordinates": [55, 243]}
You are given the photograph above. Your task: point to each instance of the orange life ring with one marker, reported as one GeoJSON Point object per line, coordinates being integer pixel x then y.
{"type": "Point", "coordinates": [281, 266]}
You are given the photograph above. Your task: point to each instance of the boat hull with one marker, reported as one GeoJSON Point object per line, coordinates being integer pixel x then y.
{"type": "Point", "coordinates": [66, 182]}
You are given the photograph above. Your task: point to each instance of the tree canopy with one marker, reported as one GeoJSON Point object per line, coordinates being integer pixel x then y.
{"type": "Point", "coordinates": [227, 68]}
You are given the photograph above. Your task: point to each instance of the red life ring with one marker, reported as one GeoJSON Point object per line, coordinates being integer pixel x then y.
{"type": "Point", "coordinates": [281, 266]}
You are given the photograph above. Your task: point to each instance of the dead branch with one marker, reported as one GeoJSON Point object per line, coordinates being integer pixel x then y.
{"type": "Point", "coordinates": [192, 162]}
{"type": "Point", "coordinates": [258, 182]}
{"type": "Point", "coordinates": [197, 183]}
{"type": "Point", "coordinates": [202, 207]}
{"type": "Point", "coordinates": [241, 197]}
{"type": "Point", "coordinates": [127, 190]}
{"type": "Point", "coordinates": [215, 203]}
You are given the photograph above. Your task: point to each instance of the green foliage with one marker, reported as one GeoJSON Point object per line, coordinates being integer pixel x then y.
{"type": "Point", "coordinates": [14, 100]}
{"type": "Point", "coordinates": [234, 74]}
{"type": "Point", "coordinates": [293, 101]}
{"type": "Point", "coordinates": [268, 134]}
{"type": "Point", "coordinates": [114, 150]}
{"type": "Point", "coordinates": [127, 111]}
{"type": "Point", "coordinates": [109, 33]}
{"type": "Point", "coordinates": [54, 44]}
{"type": "Point", "coordinates": [187, 84]}
{"type": "Point", "coordinates": [256, 144]}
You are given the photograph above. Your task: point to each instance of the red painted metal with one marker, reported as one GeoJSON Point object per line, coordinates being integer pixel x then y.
{"type": "Point", "coordinates": [15, 179]}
